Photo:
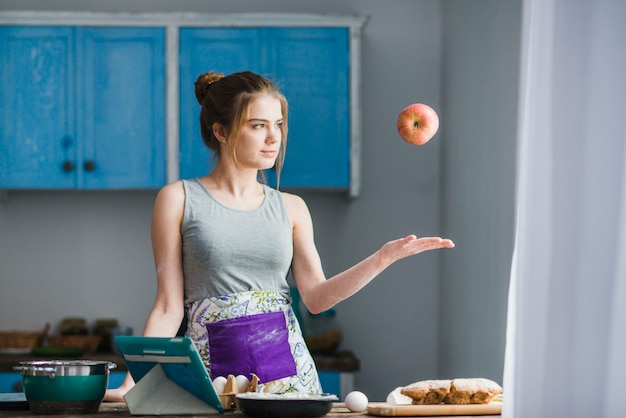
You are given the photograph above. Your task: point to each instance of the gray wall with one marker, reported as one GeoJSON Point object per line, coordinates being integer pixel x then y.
{"type": "Point", "coordinates": [435, 315]}
{"type": "Point", "coordinates": [481, 67]}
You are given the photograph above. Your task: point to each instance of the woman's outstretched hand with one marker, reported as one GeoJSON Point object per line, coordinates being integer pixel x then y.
{"type": "Point", "coordinates": [405, 247]}
{"type": "Point", "coordinates": [320, 295]}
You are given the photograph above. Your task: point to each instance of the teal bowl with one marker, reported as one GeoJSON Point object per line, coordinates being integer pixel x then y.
{"type": "Point", "coordinates": [65, 386]}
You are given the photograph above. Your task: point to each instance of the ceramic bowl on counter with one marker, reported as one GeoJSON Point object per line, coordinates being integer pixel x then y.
{"type": "Point", "coordinates": [65, 386]}
{"type": "Point", "coordinates": [287, 405]}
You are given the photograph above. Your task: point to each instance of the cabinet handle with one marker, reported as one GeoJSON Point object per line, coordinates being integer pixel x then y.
{"type": "Point", "coordinates": [67, 166]}
{"type": "Point", "coordinates": [89, 165]}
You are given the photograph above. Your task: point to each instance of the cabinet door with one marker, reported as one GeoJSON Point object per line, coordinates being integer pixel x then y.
{"type": "Point", "coordinates": [37, 133]}
{"type": "Point", "coordinates": [201, 50]}
{"type": "Point", "coordinates": [310, 66]}
{"type": "Point", "coordinates": [122, 108]}
{"type": "Point", "coordinates": [82, 107]}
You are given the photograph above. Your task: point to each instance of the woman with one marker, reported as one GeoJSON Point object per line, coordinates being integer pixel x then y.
{"type": "Point", "coordinates": [224, 244]}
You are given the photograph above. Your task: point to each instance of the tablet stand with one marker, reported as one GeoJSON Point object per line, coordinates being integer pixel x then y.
{"type": "Point", "coordinates": [156, 394]}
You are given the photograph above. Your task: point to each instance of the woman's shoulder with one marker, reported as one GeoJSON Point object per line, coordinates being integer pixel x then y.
{"type": "Point", "coordinates": [179, 187]}
{"type": "Point", "coordinates": [292, 199]}
{"type": "Point", "coordinates": [171, 192]}
{"type": "Point", "coordinates": [173, 188]}
{"type": "Point", "coordinates": [295, 205]}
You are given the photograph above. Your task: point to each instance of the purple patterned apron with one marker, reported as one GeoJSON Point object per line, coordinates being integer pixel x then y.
{"type": "Point", "coordinates": [253, 332]}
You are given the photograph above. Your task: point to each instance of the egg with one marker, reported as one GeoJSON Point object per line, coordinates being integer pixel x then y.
{"type": "Point", "coordinates": [219, 383]}
{"type": "Point", "coordinates": [356, 401]}
{"type": "Point", "coordinates": [242, 383]}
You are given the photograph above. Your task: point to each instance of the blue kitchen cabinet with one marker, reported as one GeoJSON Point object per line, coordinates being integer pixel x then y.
{"type": "Point", "coordinates": [337, 382]}
{"type": "Point", "coordinates": [82, 107]}
{"type": "Point", "coordinates": [10, 382]}
{"type": "Point", "coordinates": [330, 382]}
{"type": "Point", "coordinates": [311, 67]}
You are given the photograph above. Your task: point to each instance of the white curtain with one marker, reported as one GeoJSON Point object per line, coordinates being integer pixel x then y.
{"type": "Point", "coordinates": [566, 324]}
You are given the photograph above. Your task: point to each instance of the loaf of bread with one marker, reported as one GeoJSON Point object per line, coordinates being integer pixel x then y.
{"type": "Point", "coordinates": [427, 392]}
{"type": "Point", "coordinates": [456, 391]}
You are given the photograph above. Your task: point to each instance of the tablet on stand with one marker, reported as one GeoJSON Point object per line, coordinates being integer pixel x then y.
{"type": "Point", "coordinates": [170, 378]}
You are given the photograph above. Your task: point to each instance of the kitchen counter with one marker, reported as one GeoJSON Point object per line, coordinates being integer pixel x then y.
{"type": "Point", "coordinates": [120, 410]}
{"type": "Point", "coordinates": [338, 361]}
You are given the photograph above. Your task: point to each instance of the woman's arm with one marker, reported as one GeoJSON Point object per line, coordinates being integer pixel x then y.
{"type": "Point", "coordinates": [320, 294]}
{"type": "Point", "coordinates": [168, 309]}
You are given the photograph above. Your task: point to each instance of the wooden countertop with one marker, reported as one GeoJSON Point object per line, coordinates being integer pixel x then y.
{"type": "Point", "coordinates": [112, 410]}
{"type": "Point", "coordinates": [341, 361]}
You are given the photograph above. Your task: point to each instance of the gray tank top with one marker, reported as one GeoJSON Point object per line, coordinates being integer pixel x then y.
{"type": "Point", "coordinates": [228, 251]}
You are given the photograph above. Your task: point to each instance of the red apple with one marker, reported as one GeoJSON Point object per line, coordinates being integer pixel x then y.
{"type": "Point", "coordinates": [417, 123]}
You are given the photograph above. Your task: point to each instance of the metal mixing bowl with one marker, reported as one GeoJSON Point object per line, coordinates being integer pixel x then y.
{"type": "Point", "coordinates": [65, 386]}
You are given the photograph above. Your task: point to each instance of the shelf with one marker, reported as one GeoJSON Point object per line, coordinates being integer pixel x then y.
{"type": "Point", "coordinates": [343, 361]}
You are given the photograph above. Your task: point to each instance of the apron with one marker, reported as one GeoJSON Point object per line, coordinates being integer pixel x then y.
{"type": "Point", "coordinates": [253, 332]}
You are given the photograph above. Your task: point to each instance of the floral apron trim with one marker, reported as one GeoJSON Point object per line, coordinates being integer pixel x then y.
{"type": "Point", "coordinates": [204, 321]}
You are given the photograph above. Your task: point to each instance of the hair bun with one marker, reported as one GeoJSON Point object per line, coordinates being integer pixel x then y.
{"type": "Point", "coordinates": [203, 83]}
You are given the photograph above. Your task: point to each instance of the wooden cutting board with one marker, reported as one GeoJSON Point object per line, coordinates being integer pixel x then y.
{"type": "Point", "coordinates": [395, 410]}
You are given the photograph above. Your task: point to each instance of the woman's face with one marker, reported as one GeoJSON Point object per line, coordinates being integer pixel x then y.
{"type": "Point", "coordinates": [260, 137]}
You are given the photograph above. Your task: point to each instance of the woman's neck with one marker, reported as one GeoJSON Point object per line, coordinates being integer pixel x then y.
{"type": "Point", "coordinates": [239, 191]}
